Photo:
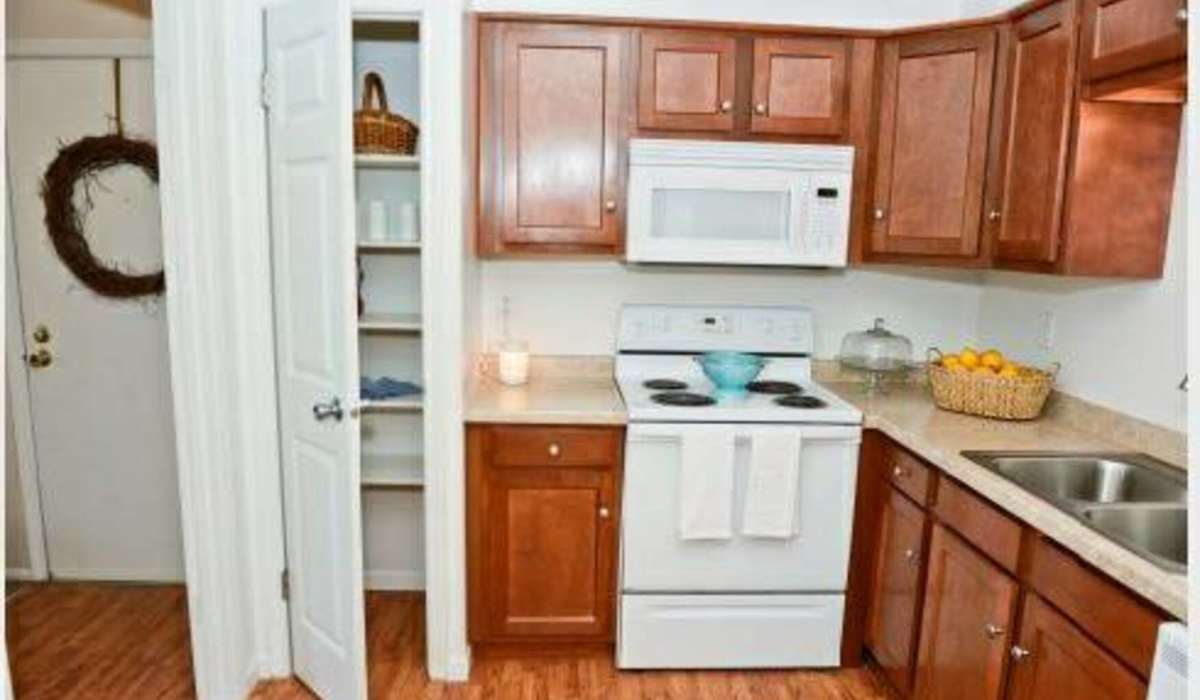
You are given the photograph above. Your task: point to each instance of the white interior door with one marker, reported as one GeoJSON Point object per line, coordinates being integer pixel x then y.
{"type": "Point", "coordinates": [312, 225]}
{"type": "Point", "coordinates": [101, 412]}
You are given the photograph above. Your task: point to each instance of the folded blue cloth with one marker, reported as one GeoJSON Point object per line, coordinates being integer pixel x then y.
{"type": "Point", "coordinates": [385, 388]}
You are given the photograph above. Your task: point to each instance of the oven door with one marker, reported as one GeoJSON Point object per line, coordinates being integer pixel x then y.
{"type": "Point", "coordinates": [689, 214]}
{"type": "Point", "coordinates": [655, 559]}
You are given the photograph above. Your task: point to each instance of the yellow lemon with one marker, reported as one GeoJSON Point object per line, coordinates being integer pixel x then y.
{"type": "Point", "coordinates": [969, 358]}
{"type": "Point", "coordinates": [983, 370]}
{"type": "Point", "coordinates": [1009, 370]}
{"type": "Point", "coordinates": [992, 359]}
{"type": "Point", "coordinates": [957, 368]}
{"type": "Point", "coordinates": [949, 361]}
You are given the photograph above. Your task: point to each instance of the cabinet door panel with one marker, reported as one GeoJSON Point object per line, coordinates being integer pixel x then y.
{"type": "Point", "coordinates": [552, 139]}
{"type": "Point", "coordinates": [1042, 73]}
{"type": "Point", "coordinates": [1063, 663]}
{"type": "Point", "coordinates": [799, 86]}
{"type": "Point", "coordinates": [896, 597]}
{"type": "Point", "coordinates": [1123, 35]}
{"type": "Point", "coordinates": [686, 80]}
{"type": "Point", "coordinates": [969, 605]}
{"type": "Point", "coordinates": [934, 117]}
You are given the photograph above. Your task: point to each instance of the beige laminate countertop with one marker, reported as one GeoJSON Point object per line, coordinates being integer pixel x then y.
{"type": "Point", "coordinates": [907, 415]}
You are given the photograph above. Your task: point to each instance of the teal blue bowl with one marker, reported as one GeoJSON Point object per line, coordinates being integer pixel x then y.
{"type": "Point", "coordinates": [730, 371]}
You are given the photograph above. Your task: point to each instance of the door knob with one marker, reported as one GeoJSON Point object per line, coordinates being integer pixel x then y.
{"type": "Point", "coordinates": [41, 334]}
{"type": "Point", "coordinates": [898, 472]}
{"type": "Point", "coordinates": [40, 358]}
{"type": "Point", "coordinates": [1019, 653]}
{"type": "Point", "coordinates": [911, 555]}
{"type": "Point", "coordinates": [994, 215]}
{"type": "Point", "coordinates": [1181, 15]}
{"type": "Point", "coordinates": [879, 213]}
{"type": "Point", "coordinates": [760, 108]}
{"type": "Point", "coordinates": [726, 105]}
{"type": "Point", "coordinates": [610, 205]}
{"type": "Point", "coordinates": [554, 450]}
{"type": "Point", "coordinates": [603, 512]}
{"type": "Point", "coordinates": [993, 631]}
{"type": "Point", "coordinates": [330, 409]}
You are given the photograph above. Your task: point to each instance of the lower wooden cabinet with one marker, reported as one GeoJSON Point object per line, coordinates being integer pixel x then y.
{"type": "Point", "coordinates": [542, 508]}
{"type": "Point", "coordinates": [896, 597]}
{"type": "Point", "coordinates": [969, 606]}
{"type": "Point", "coordinates": [1054, 659]}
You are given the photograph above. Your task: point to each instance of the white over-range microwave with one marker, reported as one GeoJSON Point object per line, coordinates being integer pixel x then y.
{"type": "Point", "coordinates": [734, 203]}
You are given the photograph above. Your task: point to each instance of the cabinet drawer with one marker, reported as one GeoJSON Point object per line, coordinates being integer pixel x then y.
{"type": "Point", "coordinates": [1123, 623]}
{"type": "Point", "coordinates": [908, 473]}
{"type": "Point", "coordinates": [980, 523]}
{"type": "Point", "coordinates": [520, 446]}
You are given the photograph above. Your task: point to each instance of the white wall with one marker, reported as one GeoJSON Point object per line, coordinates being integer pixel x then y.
{"type": "Point", "coordinates": [77, 19]}
{"type": "Point", "coordinates": [1121, 344]}
{"type": "Point", "coordinates": [570, 308]}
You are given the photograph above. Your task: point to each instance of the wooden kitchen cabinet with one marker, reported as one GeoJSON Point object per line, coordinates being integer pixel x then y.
{"type": "Point", "coordinates": [799, 86]}
{"type": "Point", "coordinates": [552, 138]}
{"type": "Point", "coordinates": [965, 629]}
{"type": "Point", "coordinates": [542, 509]}
{"type": "Point", "coordinates": [1135, 49]}
{"type": "Point", "coordinates": [895, 607]}
{"type": "Point", "coordinates": [935, 106]}
{"type": "Point", "coordinates": [687, 80]}
{"type": "Point", "coordinates": [1054, 659]}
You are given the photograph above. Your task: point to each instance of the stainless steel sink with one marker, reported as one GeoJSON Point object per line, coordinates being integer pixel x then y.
{"type": "Point", "coordinates": [1133, 499]}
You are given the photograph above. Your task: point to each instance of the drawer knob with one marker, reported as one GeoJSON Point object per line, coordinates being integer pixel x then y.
{"type": "Point", "coordinates": [554, 449]}
{"type": "Point", "coordinates": [610, 205]}
{"type": "Point", "coordinates": [880, 213]}
{"type": "Point", "coordinates": [760, 108]}
{"type": "Point", "coordinates": [1181, 15]}
{"type": "Point", "coordinates": [1019, 653]}
{"type": "Point", "coordinates": [604, 512]}
{"type": "Point", "coordinates": [994, 215]}
{"type": "Point", "coordinates": [993, 631]}
{"type": "Point", "coordinates": [911, 555]}
{"type": "Point", "coordinates": [726, 105]}
{"type": "Point", "coordinates": [899, 472]}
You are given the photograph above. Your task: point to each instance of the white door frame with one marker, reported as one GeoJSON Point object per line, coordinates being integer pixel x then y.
{"type": "Point", "coordinates": [212, 150]}
{"type": "Point", "coordinates": [16, 372]}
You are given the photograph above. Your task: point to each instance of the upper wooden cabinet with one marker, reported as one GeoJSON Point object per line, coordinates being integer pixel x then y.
{"type": "Point", "coordinates": [969, 609]}
{"type": "Point", "coordinates": [1038, 134]}
{"type": "Point", "coordinates": [799, 86]}
{"type": "Point", "coordinates": [686, 80]}
{"type": "Point", "coordinates": [1054, 659]}
{"type": "Point", "coordinates": [552, 138]}
{"type": "Point", "coordinates": [935, 106]}
{"type": "Point", "coordinates": [542, 509]}
{"type": "Point", "coordinates": [1135, 49]}
{"type": "Point", "coordinates": [723, 82]}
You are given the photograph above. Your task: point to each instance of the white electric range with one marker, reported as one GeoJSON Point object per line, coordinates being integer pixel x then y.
{"type": "Point", "coordinates": [740, 601]}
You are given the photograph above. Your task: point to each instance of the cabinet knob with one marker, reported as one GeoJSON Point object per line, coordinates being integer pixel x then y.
{"type": "Point", "coordinates": [898, 472]}
{"type": "Point", "coordinates": [879, 213]}
{"type": "Point", "coordinates": [910, 555]}
{"type": "Point", "coordinates": [1181, 15]}
{"type": "Point", "coordinates": [993, 631]}
{"type": "Point", "coordinates": [604, 512]}
{"type": "Point", "coordinates": [760, 108]}
{"type": "Point", "coordinates": [610, 205]}
{"type": "Point", "coordinates": [1019, 653]}
{"type": "Point", "coordinates": [554, 449]}
{"type": "Point", "coordinates": [994, 215]}
{"type": "Point", "coordinates": [726, 105]}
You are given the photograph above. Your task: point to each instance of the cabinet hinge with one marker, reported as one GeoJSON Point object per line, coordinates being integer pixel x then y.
{"type": "Point", "coordinates": [264, 89]}
{"type": "Point", "coordinates": [285, 588]}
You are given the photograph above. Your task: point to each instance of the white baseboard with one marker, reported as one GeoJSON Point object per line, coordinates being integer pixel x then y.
{"type": "Point", "coordinates": [394, 580]}
{"type": "Point", "coordinates": [165, 576]}
{"type": "Point", "coordinates": [22, 574]}
{"type": "Point", "coordinates": [458, 667]}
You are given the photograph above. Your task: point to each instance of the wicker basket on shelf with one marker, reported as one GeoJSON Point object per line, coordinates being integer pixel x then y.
{"type": "Point", "coordinates": [990, 395]}
{"type": "Point", "coordinates": [376, 130]}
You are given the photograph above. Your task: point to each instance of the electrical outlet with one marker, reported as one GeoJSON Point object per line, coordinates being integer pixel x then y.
{"type": "Point", "coordinates": [1046, 330]}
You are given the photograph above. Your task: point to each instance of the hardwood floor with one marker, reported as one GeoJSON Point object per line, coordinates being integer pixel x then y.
{"type": "Point", "coordinates": [98, 641]}
{"type": "Point", "coordinates": [106, 642]}
{"type": "Point", "coordinates": [396, 663]}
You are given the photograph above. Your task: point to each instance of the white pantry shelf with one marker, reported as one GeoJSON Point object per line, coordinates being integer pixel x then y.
{"type": "Point", "coordinates": [407, 404]}
{"type": "Point", "coordinates": [393, 471]}
{"type": "Point", "coordinates": [389, 323]}
{"type": "Point", "coordinates": [381, 161]}
{"type": "Point", "coordinates": [389, 246]}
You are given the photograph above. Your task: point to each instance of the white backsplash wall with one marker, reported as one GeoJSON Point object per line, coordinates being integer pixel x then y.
{"type": "Point", "coordinates": [570, 308]}
{"type": "Point", "coordinates": [1121, 344]}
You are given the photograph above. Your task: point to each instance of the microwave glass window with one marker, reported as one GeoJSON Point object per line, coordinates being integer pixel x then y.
{"type": "Point", "coordinates": [733, 216]}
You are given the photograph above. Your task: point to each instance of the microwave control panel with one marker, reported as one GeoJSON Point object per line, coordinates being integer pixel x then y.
{"type": "Point", "coordinates": [826, 233]}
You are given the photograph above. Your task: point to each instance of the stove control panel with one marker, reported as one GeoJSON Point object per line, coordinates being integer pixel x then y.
{"type": "Point", "coordinates": [761, 329]}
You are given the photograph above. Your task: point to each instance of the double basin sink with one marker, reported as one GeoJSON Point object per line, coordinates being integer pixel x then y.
{"type": "Point", "coordinates": [1132, 499]}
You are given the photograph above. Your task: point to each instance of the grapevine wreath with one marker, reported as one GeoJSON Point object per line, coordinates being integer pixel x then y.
{"type": "Point", "coordinates": [78, 162]}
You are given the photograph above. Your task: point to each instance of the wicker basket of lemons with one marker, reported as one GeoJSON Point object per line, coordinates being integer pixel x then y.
{"type": "Point", "coordinates": [988, 384]}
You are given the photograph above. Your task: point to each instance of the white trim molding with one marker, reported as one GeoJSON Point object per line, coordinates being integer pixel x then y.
{"type": "Point", "coordinates": [394, 580]}
{"type": "Point", "coordinates": [219, 330]}
{"type": "Point", "coordinates": [79, 48]}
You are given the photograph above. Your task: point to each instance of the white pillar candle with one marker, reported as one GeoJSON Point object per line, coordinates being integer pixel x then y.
{"type": "Point", "coordinates": [513, 359]}
{"type": "Point", "coordinates": [409, 229]}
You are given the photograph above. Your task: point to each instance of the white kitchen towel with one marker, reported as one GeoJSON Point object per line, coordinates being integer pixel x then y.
{"type": "Point", "coordinates": [706, 485]}
{"type": "Point", "coordinates": [772, 484]}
